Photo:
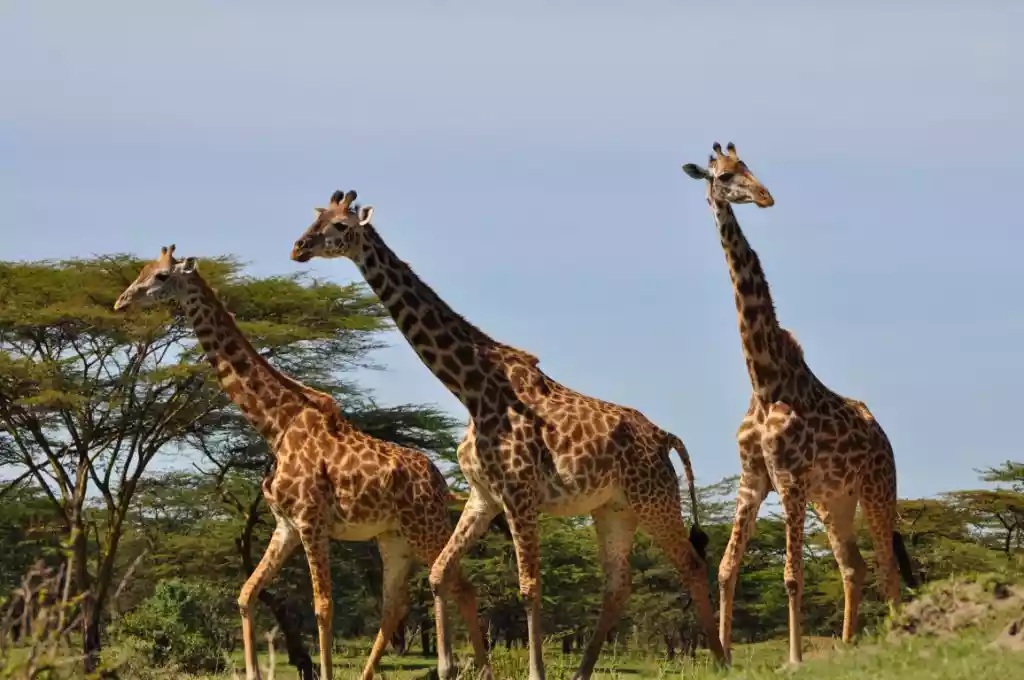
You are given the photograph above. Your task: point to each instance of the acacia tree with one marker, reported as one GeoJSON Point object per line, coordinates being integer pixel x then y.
{"type": "Point", "coordinates": [88, 397]}
{"type": "Point", "coordinates": [997, 514]}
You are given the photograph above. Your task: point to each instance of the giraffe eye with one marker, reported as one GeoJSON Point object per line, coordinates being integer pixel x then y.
{"type": "Point", "coordinates": [725, 176]}
{"type": "Point", "coordinates": [161, 276]}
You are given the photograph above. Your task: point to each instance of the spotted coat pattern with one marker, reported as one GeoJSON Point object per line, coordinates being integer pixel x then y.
{"type": "Point", "coordinates": [532, 445]}
{"type": "Point", "coordinates": [798, 437]}
{"type": "Point", "coordinates": [329, 480]}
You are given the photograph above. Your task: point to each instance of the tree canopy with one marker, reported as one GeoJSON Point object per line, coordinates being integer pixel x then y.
{"type": "Point", "coordinates": [89, 397]}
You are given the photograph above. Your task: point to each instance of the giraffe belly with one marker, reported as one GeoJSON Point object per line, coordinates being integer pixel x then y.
{"type": "Point", "coordinates": [343, 531]}
{"type": "Point", "coordinates": [564, 502]}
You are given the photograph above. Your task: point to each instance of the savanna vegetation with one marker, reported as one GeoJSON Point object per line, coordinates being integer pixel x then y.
{"type": "Point", "coordinates": [130, 511]}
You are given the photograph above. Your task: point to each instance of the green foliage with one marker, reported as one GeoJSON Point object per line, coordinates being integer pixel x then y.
{"type": "Point", "coordinates": [187, 623]}
{"type": "Point", "coordinates": [90, 397]}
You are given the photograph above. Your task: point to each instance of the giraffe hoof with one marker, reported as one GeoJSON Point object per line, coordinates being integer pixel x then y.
{"type": "Point", "coordinates": [788, 667]}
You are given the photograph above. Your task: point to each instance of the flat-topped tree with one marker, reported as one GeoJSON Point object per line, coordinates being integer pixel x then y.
{"type": "Point", "coordinates": [798, 437]}
{"type": "Point", "coordinates": [532, 445]}
{"type": "Point", "coordinates": [329, 479]}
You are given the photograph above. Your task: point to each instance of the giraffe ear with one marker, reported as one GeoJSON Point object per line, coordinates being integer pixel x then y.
{"type": "Point", "coordinates": [188, 265]}
{"type": "Point", "coordinates": [365, 214]}
{"type": "Point", "coordinates": [317, 212]}
{"type": "Point", "coordinates": [695, 171]}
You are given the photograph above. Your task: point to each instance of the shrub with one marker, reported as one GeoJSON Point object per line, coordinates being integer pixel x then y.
{"type": "Point", "coordinates": [186, 623]}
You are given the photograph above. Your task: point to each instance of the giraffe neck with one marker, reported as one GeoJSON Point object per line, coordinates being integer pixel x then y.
{"type": "Point", "coordinates": [268, 399]}
{"type": "Point", "coordinates": [760, 333]}
{"type": "Point", "coordinates": [456, 351]}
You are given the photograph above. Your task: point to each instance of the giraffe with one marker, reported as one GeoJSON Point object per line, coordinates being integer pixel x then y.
{"type": "Point", "coordinates": [329, 479]}
{"type": "Point", "coordinates": [532, 444]}
{"type": "Point", "coordinates": [798, 437]}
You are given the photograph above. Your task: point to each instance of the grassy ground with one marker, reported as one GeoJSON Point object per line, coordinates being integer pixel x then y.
{"type": "Point", "coordinates": [945, 634]}
{"type": "Point", "coordinates": [964, 657]}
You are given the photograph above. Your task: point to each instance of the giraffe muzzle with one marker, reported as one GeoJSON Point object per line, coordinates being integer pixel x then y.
{"type": "Point", "coordinates": [300, 253]}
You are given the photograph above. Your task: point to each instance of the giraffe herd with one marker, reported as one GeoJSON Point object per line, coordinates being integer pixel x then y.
{"type": "Point", "coordinates": [536, 446]}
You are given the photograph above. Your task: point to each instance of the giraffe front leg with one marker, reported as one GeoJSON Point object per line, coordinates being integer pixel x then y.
{"type": "Point", "coordinates": [794, 506]}
{"type": "Point", "coordinates": [282, 544]}
{"type": "Point", "coordinates": [753, 488]}
{"type": "Point", "coordinates": [316, 542]}
{"type": "Point", "coordinates": [522, 520]}
{"type": "Point", "coordinates": [397, 560]}
{"type": "Point", "coordinates": [476, 516]}
{"type": "Point", "coordinates": [789, 454]}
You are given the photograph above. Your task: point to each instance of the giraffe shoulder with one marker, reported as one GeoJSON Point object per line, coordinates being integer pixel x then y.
{"type": "Point", "coordinates": [502, 352]}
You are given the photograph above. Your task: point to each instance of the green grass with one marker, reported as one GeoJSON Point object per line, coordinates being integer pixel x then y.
{"type": "Point", "coordinates": [966, 656]}
{"type": "Point", "coordinates": [951, 624]}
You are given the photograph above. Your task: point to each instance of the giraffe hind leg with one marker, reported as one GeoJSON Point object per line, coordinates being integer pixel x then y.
{"type": "Point", "coordinates": [661, 517]}
{"type": "Point", "coordinates": [753, 488]}
{"type": "Point", "coordinates": [316, 542]}
{"type": "Point", "coordinates": [522, 520]}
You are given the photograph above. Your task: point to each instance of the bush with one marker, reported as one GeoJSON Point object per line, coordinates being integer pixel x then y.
{"type": "Point", "coordinates": [186, 623]}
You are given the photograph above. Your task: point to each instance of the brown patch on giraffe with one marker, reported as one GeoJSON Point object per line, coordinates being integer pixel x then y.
{"type": "Point", "coordinates": [798, 437]}
{"type": "Point", "coordinates": [382, 490]}
{"type": "Point", "coordinates": [533, 445]}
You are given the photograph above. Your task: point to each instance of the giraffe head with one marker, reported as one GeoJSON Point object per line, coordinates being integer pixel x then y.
{"type": "Point", "coordinates": [335, 229]}
{"type": "Point", "coordinates": [729, 179]}
{"type": "Point", "coordinates": [162, 280]}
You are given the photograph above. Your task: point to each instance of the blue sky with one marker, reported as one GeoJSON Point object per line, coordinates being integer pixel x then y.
{"type": "Point", "coordinates": [525, 160]}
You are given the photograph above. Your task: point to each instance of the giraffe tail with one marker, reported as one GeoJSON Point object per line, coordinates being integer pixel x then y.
{"type": "Point", "coordinates": [903, 560]}
{"type": "Point", "coordinates": [698, 538]}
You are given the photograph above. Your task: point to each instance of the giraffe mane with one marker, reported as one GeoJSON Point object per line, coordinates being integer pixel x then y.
{"type": "Point", "coordinates": [523, 355]}
{"type": "Point", "coordinates": [322, 401]}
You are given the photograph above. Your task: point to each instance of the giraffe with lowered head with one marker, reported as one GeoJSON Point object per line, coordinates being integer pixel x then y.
{"type": "Point", "coordinates": [532, 445]}
{"type": "Point", "coordinates": [798, 437]}
{"type": "Point", "coordinates": [329, 479]}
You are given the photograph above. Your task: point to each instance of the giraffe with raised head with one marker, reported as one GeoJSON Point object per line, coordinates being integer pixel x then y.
{"type": "Point", "coordinates": [532, 445]}
{"type": "Point", "coordinates": [798, 437]}
{"type": "Point", "coordinates": [329, 479]}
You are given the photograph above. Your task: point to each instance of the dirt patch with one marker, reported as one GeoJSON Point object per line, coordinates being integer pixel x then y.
{"type": "Point", "coordinates": [1012, 637]}
{"type": "Point", "coordinates": [950, 607]}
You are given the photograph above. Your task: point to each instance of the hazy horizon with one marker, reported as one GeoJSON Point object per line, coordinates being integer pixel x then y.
{"type": "Point", "coordinates": [525, 161]}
